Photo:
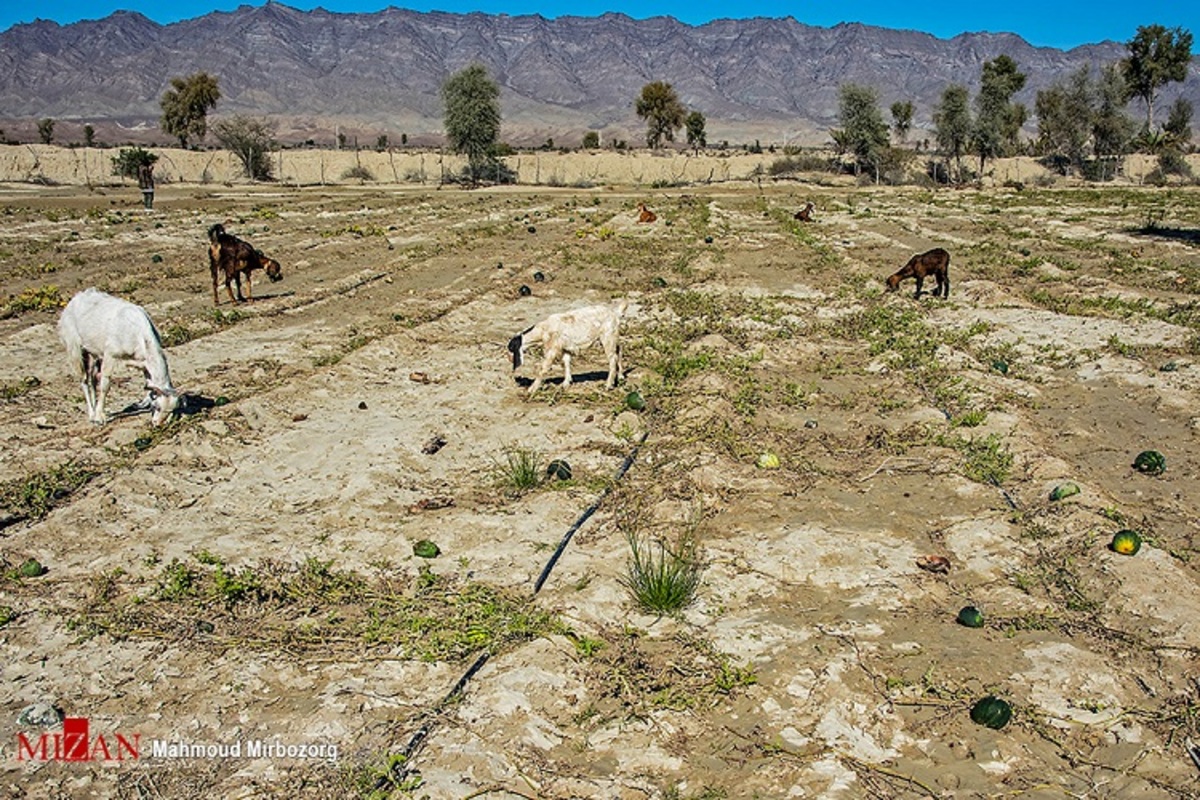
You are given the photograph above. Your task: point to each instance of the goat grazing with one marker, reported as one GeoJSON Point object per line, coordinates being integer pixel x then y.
{"type": "Point", "coordinates": [569, 333]}
{"type": "Point", "coordinates": [645, 214]}
{"type": "Point", "coordinates": [232, 257]}
{"type": "Point", "coordinates": [936, 262]}
{"type": "Point", "coordinates": [804, 214]}
{"type": "Point", "coordinates": [98, 330]}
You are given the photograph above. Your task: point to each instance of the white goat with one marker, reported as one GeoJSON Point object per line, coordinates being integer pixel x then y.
{"type": "Point", "coordinates": [567, 334]}
{"type": "Point", "coordinates": [98, 330]}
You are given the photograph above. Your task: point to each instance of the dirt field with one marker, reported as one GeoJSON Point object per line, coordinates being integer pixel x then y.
{"type": "Point", "coordinates": [247, 573]}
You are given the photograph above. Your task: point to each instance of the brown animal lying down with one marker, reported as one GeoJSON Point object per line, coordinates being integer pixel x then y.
{"type": "Point", "coordinates": [804, 214]}
{"type": "Point", "coordinates": [645, 214]}
{"type": "Point", "coordinates": [936, 262]}
{"type": "Point", "coordinates": [232, 257]}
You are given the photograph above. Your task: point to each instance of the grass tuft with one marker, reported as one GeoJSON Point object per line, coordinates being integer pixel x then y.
{"type": "Point", "coordinates": [520, 471]}
{"type": "Point", "coordinates": [661, 580]}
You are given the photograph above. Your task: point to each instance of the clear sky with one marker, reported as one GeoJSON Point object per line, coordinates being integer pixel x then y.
{"type": "Point", "coordinates": [1049, 23]}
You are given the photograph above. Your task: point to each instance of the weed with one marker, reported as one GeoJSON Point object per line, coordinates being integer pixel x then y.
{"type": "Point", "coordinates": [176, 333]}
{"type": "Point", "coordinates": [223, 319]}
{"type": "Point", "coordinates": [665, 583]}
{"type": "Point", "coordinates": [520, 471]}
{"type": "Point", "coordinates": [985, 460]}
{"type": "Point", "coordinates": [11, 391]}
{"type": "Point", "coordinates": [970, 419]}
{"type": "Point", "coordinates": [35, 495]}
{"type": "Point", "coordinates": [37, 298]}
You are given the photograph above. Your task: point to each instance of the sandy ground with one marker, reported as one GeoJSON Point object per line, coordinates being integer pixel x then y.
{"type": "Point", "coordinates": [817, 660]}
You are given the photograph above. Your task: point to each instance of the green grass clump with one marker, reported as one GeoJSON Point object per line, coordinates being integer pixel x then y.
{"type": "Point", "coordinates": [661, 580]}
{"type": "Point", "coordinates": [520, 471]}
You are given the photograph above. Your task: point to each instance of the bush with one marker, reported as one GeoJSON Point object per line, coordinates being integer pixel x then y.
{"type": "Point", "coordinates": [252, 141]}
{"type": "Point", "coordinates": [358, 173]}
{"type": "Point", "coordinates": [1172, 162]}
{"type": "Point", "coordinates": [128, 161]}
{"type": "Point", "coordinates": [798, 163]}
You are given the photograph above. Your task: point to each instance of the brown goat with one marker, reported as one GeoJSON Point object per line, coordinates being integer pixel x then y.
{"type": "Point", "coordinates": [232, 257]}
{"type": "Point", "coordinates": [804, 214]}
{"type": "Point", "coordinates": [645, 214]}
{"type": "Point", "coordinates": [936, 262]}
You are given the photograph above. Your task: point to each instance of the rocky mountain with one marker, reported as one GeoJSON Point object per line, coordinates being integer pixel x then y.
{"type": "Point", "coordinates": [316, 72]}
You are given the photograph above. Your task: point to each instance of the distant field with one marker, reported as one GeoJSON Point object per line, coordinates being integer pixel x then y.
{"type": "Point", "coordinates": [248, 572]}
{"type": "Point", "coordinates": [53, 165]}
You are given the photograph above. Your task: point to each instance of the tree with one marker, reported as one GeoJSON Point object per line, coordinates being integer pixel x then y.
{"type": "Point", "coordinates": [46, 130]}
{"type": "Point", "coordinates": [902, 118]}
{"type": "Point", "coordinates": [251, 140]}
{"type": "Point", "coordinates": [591, 140]}
{"type": "Point", "coordinates": [381, 143]}
{"type": "Point", "coordinates": [1112, 130]}
{"type": "Point", "coordinates": [866, 135]}
{"type": "Point", "coordinates": [1179, 121]}
{"type": "Point", "coordinates": [89, 136]}
{"type": "Point", "coordinates": [472, 118]}
{"type": "Point", "coordinates": [128, 162]}
{"type": "Point", "coordinates": [998, 120]}
{"type": "Point", "coordinates": [1157, 56]}
{"type": "Point", "coordinates": [664, 114]}
{"type": "Point", "coordinates": [952, 119]}
{"type": "Point", "coordinates": [186, 104]}
{"type": "Point", "coordinates": [695, 130]}
{"type": "Point", "coordinates": [1065, 114]}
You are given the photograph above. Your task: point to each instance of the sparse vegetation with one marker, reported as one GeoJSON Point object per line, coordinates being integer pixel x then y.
{"type": "Point", "coordinates": [663, 580]}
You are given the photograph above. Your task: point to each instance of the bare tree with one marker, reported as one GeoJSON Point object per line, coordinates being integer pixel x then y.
{"type": "Point", "coordinates": [251, 140]}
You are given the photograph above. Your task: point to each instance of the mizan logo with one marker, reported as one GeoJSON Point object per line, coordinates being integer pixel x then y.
{"type": "Point", "coordinates": [76, 744]}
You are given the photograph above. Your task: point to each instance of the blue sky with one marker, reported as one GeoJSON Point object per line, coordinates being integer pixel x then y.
{"type": "Point", "coordinates": [1049, 23]}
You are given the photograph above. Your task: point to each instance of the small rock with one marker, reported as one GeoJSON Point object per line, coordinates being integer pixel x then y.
{"type": "Point", "coordinates": [431, 503]}
{"type": "Point", "coordinates": [42, 715]}
{"type": "Point", "coordinates": [524, 291]}
{"type": "Point", "coordinates": [938, 565]}
{"type": "Point", "coordinates": [299, 417]}
{"type": "Point", "coordinates": [362, 406]}
{"type": "Point", "coordinates": [810, 423]}
{"type": "Point", "coordinates": [418, 377]}
{"type": "Point", "coordinates": [434, 444]}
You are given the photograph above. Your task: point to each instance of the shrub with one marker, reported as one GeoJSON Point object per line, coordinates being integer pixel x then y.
{"type": "Point", "coordinates": [358, 173]}
{"type": "Point", "coordinates": [128, 161]}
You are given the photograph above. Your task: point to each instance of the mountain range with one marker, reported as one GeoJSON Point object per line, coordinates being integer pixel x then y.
{"type": "Point", "coordinates": [317, 73]}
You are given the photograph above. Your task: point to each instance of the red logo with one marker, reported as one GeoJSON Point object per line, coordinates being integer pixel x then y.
{"type": "Point", "coordinates": [75, 744]}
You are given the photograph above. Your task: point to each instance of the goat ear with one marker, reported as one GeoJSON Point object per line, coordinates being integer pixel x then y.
{"type": "Point", "coordinates": [514, 347]}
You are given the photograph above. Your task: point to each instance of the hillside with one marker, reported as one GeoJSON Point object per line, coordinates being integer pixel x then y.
{"type": "Point", "coordinates": [319, 73]}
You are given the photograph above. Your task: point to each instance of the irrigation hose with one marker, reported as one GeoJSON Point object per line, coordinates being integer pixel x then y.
{"type": "Point", "coordinates": [400, 769]}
